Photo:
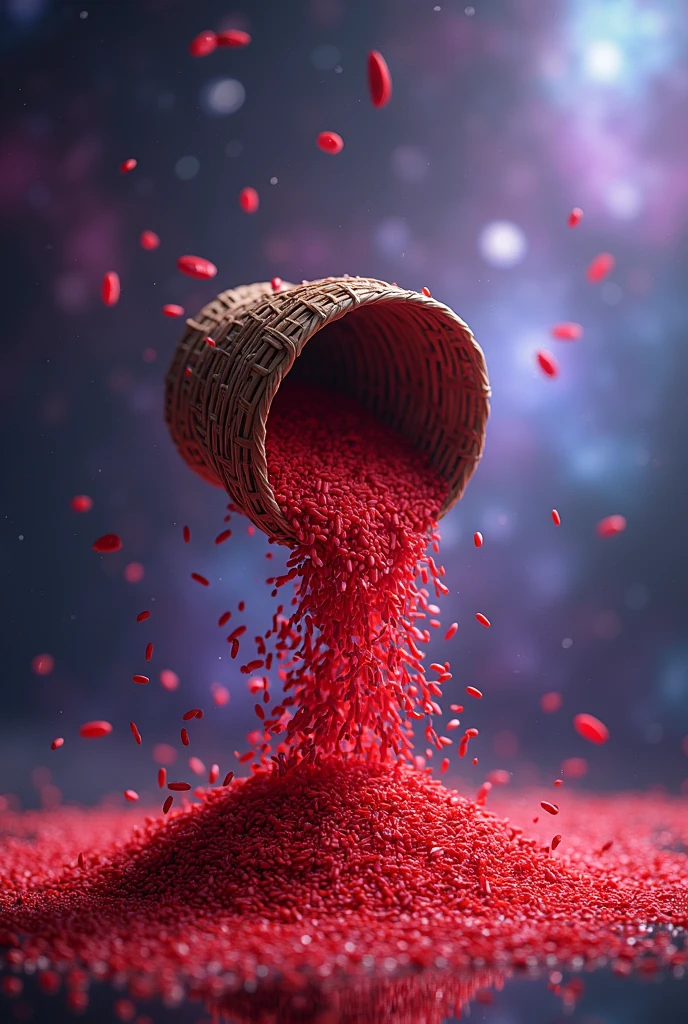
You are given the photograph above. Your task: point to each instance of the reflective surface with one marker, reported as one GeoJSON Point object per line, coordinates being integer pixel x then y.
{"type": "Point", "coordinates": [595, 997]}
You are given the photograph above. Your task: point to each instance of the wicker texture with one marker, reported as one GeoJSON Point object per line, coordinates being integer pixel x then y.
{"type": "Point", "coordinates": [408, 359]}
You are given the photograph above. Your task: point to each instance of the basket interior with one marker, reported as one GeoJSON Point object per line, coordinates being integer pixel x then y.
{"type": "Point", "coordinates": [403, 361]}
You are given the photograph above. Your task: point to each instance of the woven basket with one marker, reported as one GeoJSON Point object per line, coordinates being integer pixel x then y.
{"type": "Point", "coordinates": [408, 359]}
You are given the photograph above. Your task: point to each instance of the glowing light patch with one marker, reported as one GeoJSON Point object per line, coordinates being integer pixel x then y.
{"type": "Point", "coordinates": [502, 244]}
{"type": "Point", "coordinates": [603, 61]}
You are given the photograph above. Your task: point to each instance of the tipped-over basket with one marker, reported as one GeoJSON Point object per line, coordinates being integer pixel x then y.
{"type": "Point", "coordinates": [409, 359]}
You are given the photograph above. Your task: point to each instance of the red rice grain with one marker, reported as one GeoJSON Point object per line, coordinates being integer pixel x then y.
{"type": "Point", "coordinates": [110, 288]}
{"type": "Point", "coordinates": [233, 38]}
{"type": "Point", "coordinates": [169, 679]}
{"type": "Point", "coordinates": [547, 363]}
{"type": "Point", "coordinates": [249, 200]}
{"type": "Point", "coordinates": [600, 267]}
{"type": "Point", "coordinates": [330, 143]}
{"type": "Point", "coordinates": [567, 332]}
{"type": "Point", "coordinates": [203, 44]}
{"type": "Point", "coordinates": [611, 526]}
{"type": "Point", "coordinates": [95, 730]}
{"type": "Point", "coordinates": [107, 544]}
{"type": "Point", "coordinates": [379, 79]}
{"type": "Point", "coordinates": [149, 240]}
{"type": "Point", "coordinates": [197, 267]}
{"type": "Point", "coordinates": [591, 728]}
{"type": "Point", "coordinates": [81, 503]}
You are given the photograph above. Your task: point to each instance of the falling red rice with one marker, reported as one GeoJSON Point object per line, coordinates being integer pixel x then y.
{"type": "Point", "coordinates": [249, 200]}
{"type": "Point", "coordinates": [550, 702]}
{"type": "Point", "coordinates": [330, 142]}
{"type": "Point", "coordinates": [81, 503]}
{"type": "Point", "coordinates": [547, 363]}
{"type": "Point", "coordinates": [600, 267]}
{"type": "Point", "coordinates": [110, 288]}
{"type": "Point", "coordinates": [233, 38]}
{"type": "Point", "coordinates": [567, 332]}
{"type": "Point", "coordinates": [611, 526]}
{"type": "Point", "coordinates": [196, 266]}
{"type": "Point", "coordinates": [591, 728]}
{"type": "Point", "coordinates": [95, 730]}
{"type": "Point", "coordinates": [169, 679]}
{"type": "Point", "coordinates": [203, 44]}
{"type": "Point", "coordinates": [107, 544]}
{"type": "Point", "coordinates": [379, 79]}
{"type": "Point", "coordinates": [149, 240]}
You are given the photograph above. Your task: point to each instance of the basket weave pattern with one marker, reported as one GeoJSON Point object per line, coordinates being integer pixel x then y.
{"type": "Point", "coordinates": [409, 360]}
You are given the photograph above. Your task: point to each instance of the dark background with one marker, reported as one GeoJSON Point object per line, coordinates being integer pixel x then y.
{"type": "Point", "coordinates": [504, 113]}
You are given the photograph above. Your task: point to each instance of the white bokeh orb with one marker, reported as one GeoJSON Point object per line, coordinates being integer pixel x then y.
{"type": "Point", "coordinates": [224, 96]}
{"type": "Point", "coordinates": [502, 244]}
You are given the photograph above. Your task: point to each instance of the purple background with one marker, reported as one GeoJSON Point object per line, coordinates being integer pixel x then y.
{"type": "Point", "coordinates": [507, 113]}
